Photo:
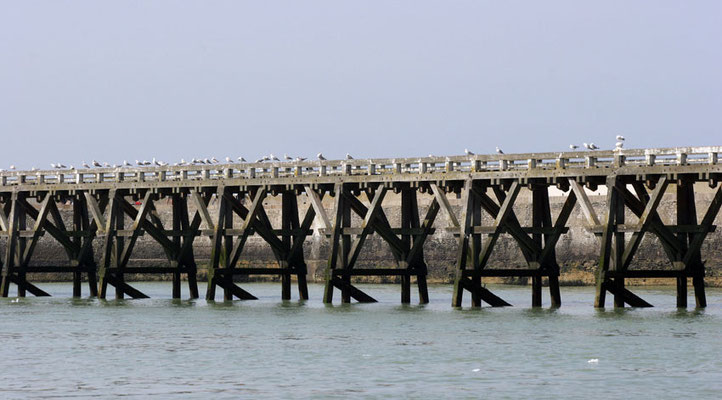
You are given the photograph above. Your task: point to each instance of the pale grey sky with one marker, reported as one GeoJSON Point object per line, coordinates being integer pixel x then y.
{"type": "Point", "coordinates": [104, 80]}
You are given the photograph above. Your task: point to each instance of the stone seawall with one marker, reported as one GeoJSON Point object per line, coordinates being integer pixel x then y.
{"type": "Point", "coordinates": [577, 251]}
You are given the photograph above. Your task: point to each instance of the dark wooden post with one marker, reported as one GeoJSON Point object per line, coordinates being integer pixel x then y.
{"type": "Point", "coordinates": [618, 255]}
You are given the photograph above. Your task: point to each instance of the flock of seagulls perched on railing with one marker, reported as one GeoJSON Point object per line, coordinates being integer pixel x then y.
{"type": "Point", "coordinates": [211, 161]}
{"type": "Point", "coordinates": [591, 146]}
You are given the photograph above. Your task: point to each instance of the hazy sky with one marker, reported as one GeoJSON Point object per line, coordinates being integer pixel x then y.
{"type": "Point", "coordinates": [104, 80]}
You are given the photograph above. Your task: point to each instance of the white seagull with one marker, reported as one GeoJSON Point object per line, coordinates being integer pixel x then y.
{"type": "Point", "coordinates": [12, 166]}
{"type": "Point", "coordinates": [84, 164]}
{"type": "Point", "coordinates": [61, 165]}
{"type": "Point", "coordinates": [320, 157]}
{"type": "Point", "coordinates": [573, 146]}
{"type": "Point", "coordinates": [468, 153]}
{"type": "Point", "coordinates": [593, 146]}
{"type": "Point", "coordinates": [287, 157]}
{"type": "Point", "coordinates": [126, 163]}
{"type": "Point", "coordinates": [272, 157]}
{"type": "Point", "coordinates": [228, 160]}
{"type": "Point", "coordinates": [300, 158]}
{"type": "Point", "coordinates": [54, 166]}
{"type": "Point", "coordinates": [348, 156]}
{"type": "Point", "coordinates": [619, 145]}
{"type": "Point", "coordinates": [96, 164]}
{"type": "Point", "coordinates": [214, 160]}
{"type": "Point", "coordinates": [498, 150]}
{"type": "Point", "coordinates": [620, 138]}
{"type": "Point", "coordinates": [241, 159]}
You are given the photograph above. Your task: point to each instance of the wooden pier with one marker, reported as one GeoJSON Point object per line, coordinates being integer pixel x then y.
{"type": "Point", "coordinates": [105, 199]}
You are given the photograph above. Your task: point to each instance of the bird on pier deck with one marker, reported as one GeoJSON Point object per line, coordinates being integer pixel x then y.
{"type": "Point", "coordinates": [266, 158]}
{"type": "Point", "coordinates": [106, 165]}
{"type": "Point", "coordinates": [54, 166]}
{"type": "Point", "coordinates": [241, 159]}
{"type": "Point", "coordinates": [126, 163]}
{"type": "Point", "coordinates": [620, 138]}
{"type": "Point", "coordinates": [138, 162]}
{"type": "Point", "coordinates": [498, 150]}
{"type": "Point", "coordinates": [156, 162]}
{"type": "Point", "coordinates": [320, 156]}
{"type": "Point", "coordinates": [593, 146]}
{"type": "Point", "coordinates": [468, 153]}
{"type": "Point", "coordinates": [260, 160]}
{"type": "Point", "coordinates": [96, 164]}
{"type": "Point", "coordinates": [300, 159]}
{"type": "Point", "coordinates": [214, 160]}
{"type": "Point", "coordinates": [84, 164]}
{"type": "Point", "coordinates": [348, 156]}
{"type": "Point", "coordinates": [208, 161]}
{"type": "Point", "coordinates": [61, 166]}
{"type": "Point", "coordinates": [229, 160]}
{"type": "Point", "coordinates": [573, 146]}
{"type": "Point", "coordinates": [272, 157]}
{"type": "Point", "coordinates": [619, 146]}
{"type": "Point", "coordinates": [12, 166]}
{"type": "Point", "coordinates": [287, 157]}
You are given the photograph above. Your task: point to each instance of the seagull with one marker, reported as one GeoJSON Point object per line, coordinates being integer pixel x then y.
{"type": "Point", "coordinates": [287, 157]}
{"type": "Point", "coordinates": [593, 146]}
{"type": "Point", "coordinates": [266, 158]}
{"type": "Point", "coordinates": [272, 157]}
{"type": "Point", "coordinates": [96, 164]}
{"type": "Point", "coordinates": [12, 166]}
{"type": "Point", "coordinates": [320, 156]}
{"type": "Point", "coordinates": [72, 167]}
{"type": "Point", "coordinates": [498, 150]}
{"type": "Point", "coordinates": [106, 165]}
{"type": "Point", "coordinates": [116, 165]}
{"type": "Point", "coordinates": [619, 145]}
{"type": "Point", "coordinates": [33, 169]}
{"type": "Point", "coordinates": [260, 160]}
{"type": "Point", "coordinates": [431, 155]}
{"type": "Point", "coordinates": [214, 160]}
{"type": "Point", "coordinates": [61, 165]}
{"type": "Point", "coordinates": [348, 156]}
{"type": "Point", "coordinates": [208, 161]}
{"type": "Point", "coordinates": [468, 153]}
{"type": "Point", "coordinates": [138, 162]}
{"type": "Point", "coordinates": [586, 145]}
{"type": "Point", "coordinates": [228, 160]}
{"type": "Point", "coordinates": [182, 162]}
{"type": "Point", "coordinates": [126, 163]}
{"type": "Point", "coordinates": [300, 158]}
{"type": "Point", "coordinates": [156, 162]}
{"type": "Point", "coordinates": [573, 146]}
{"type": "Point", "coordinates": [54, 166]}
{"type": "Point", "coordinates": [241, 159]}
{"type": "Point", "coordinates": [620, 138]}
{"type": "Point", "coordinates": [146, 162]}
{"type": "Point", "coordinates": [84, 164]}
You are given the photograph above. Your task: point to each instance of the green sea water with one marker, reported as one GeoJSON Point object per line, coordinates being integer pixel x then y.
{"type": "Point", "coordinates": [61, 347]}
